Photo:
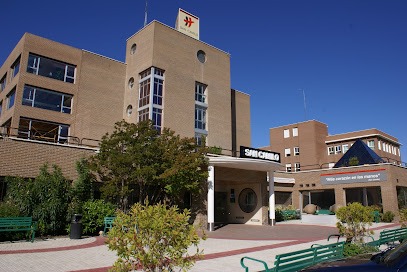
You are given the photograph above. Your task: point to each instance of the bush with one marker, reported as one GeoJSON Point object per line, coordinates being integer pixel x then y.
{"type": "Point", "coordinates": [93, 214]}
{"type": "Point", "coordinates": [403, 217]}
{"type": "Point", "coordinates": [388, 217]}
{"type": "Point", "coordinates": [354, 220]}
{"type": "Point", "coordinates": [153, 238]}
{"type": "Point", "coordinates": [352, 249]}
{"type": "Point", "coordinates": [9, 210]}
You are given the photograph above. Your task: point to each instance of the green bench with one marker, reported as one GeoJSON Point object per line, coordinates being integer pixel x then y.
{"type": "Point", "coordinates": [108, 223]}
{"type": "Point", "coordinates": [288, 214]}
{"type": "Point", "coordinates": [9, 224]}
{"type": "Point", "coordinates": [389, 237]}
{"type": "Point", "coordinates": [324, 212]}
{"type": "Point", "coordinates": [300, 259]}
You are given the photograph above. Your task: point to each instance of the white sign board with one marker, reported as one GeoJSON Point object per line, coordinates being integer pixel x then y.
{"type": "Point", "coordinates": [354, 177]}
{"type": "Point", "coordinates": [187, 24]}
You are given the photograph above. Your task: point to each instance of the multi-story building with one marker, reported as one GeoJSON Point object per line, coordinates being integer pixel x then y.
{"type": "Point", "coordinates": [56, 103]}
{"type": "Point", "coordinates": [313, 162]}
{"type": "Point", "coordinates": [308, 145]}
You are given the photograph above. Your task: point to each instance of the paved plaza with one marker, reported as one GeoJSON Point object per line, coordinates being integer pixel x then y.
{"type": "Point", "coordinates": [223, 248]}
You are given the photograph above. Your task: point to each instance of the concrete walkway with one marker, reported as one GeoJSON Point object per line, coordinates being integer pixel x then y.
{"type": "Point", "coordinates": [223, 249]}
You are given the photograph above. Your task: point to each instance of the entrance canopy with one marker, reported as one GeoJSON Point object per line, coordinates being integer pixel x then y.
{"type": "Point", "coordinates": [243, 164]}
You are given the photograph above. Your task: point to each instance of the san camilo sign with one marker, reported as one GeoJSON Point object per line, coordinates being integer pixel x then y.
{"type": "Point", "coordinates": [252, 153]}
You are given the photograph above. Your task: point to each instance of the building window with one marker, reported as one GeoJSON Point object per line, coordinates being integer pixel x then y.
{"type": "Point", "coordinates": [331, 150]}
{"type": "Point", "coordinates": [200, 92]}
{"type": "Point", "coordinates": [370, 144]}
{"type": "Point", "coordinates": [46, 99]}
{"type": "Point", "coordinates": [201, 56]}
{"type": "Point", "coordinates": [157, 118]}
{"type": "Point", "coordinates": [247, 200]}
{"type": "Point", "coordinates": [43, 131]}
{"type": "Point", "coordinates": [200, 118]}
{"type": "Point", "coordinates": [379, 145]}
{"type": "Point", "coordinates": [287, 152]}
{"type": "Point", "coordinates": [200, 108]}
{"type": "Point", "coordinates": [199, 139]}
{"type": "Point", "coordinates": [338, 149]}
{"type": "Point", "coordinates": [295, 132]}
{"type": "Point", "coordinates": [286, 133]}
{"type": "Point", "coordinates": [144, 97]}
{"type": "Point", "coordinates": [296, 151]}
{"type": "Point", "coordinates": [133, 49]}
{"type": "Point", "coordinates": [131, 83]}
{"type": "Point", "coordinates": [297, 167]}
{"type": "Point", "coordinates": [345, 148]}
{"type": "Point", "coordinates": [158, 91]}
{"type": "Point", "coordinates": [151, 108]}
{"type": "Point", "coordinates": [43, 66]}
{"type": "Point", "coordinates": [288, 167]}
{"type": "Point", "coordinates": [15, 68]}
{"type": "Point", "coordinates": [3, 83]}
{"type": "Point", "coordinates": [10, 99]}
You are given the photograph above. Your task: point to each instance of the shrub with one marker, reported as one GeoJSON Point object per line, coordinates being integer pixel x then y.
{"type": "Point", "coordinates": [9, 210]}
{"type": "Point", "coordinates": [388, 217]}
{"type": "Point", "coordinates": [153, 238]}
{"type": "Point", "coordinates": [352, 249]}
{"type": "Point", "coordinates": [403, 217]}
{"type": "Point", "coordinates": [93, 213]}
{"type": "Point", "coordinates": [354, 220]}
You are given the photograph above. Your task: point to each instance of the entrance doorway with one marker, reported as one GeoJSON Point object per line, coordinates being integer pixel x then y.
{"type": "Point", "coordinates": [221, 211]}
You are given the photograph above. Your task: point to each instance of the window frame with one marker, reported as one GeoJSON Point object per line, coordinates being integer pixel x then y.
{"type": "Point", "coordinates": [11, 94]}
{"type": "Point", "coordinates": [331, 150]}
{"type": "Point", "coordinates": [37, 92]}
{"type": "Point", "coordinates": [3, 83]}
{"type": "Point", "coordinates": [15, 68]}
{"type": "Point", "coordinates": [296, 150]}
{"type": "Point", "coordinates": [286, 133]}
{"type": "Point", "coordinates": [287, 152]}
{"type": "Point", "coordinates": [69, 70]}
{"type": "Point", "coordinates": [338, 149]}
{"type": "Point", "coordinates": [369, 144]}
{"type": "Point", "coordinates": [295, 131]}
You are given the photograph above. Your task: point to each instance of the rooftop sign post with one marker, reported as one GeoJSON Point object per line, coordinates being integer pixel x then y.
{"type": "Point", "coordinates": [187, 24]}
{"type": "Point", "coordinates": [252, 153]}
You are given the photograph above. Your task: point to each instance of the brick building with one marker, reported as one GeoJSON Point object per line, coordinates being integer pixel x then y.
{"type": "Point", "coordinates": [309, 157]}
{"type": "Point", "coordinates": [56, 102]}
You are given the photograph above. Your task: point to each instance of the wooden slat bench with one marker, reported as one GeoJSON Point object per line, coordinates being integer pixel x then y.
{"type": "Point", "coordinates": [390, 237]}
{"type": "Point", "coordinates": [297, 260]}
{"type": "Point", "coordinates": [108, 223]}
{"type": "Point", "coordinates": [10, 224]}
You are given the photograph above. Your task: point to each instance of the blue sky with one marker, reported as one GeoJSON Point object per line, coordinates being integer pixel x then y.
{"type": "Point", "coordinates": [349, 56]}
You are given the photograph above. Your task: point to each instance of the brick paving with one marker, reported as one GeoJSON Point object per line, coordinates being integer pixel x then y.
{"type": "Point", "coordinates": [223, 249]}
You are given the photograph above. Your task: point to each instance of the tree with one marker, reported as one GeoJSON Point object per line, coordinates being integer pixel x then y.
{"type": "Point", "coordinates": [157, 165]}
{"type": "Point", "coordinates": [46, 199]}
{"type": "Point", "coordinates": [153, 238]}
{"type": "Point", "coordinates": [354, 220]}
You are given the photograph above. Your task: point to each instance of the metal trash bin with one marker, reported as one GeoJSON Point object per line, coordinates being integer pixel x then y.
{"type": "Point", "coordinates": [76, 227]}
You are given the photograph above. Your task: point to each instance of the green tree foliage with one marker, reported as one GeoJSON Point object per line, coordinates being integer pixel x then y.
{"type": "Point", "coordinates": [354, 220]}
{"type": "Point", "coordinates": [153, 238]}
{"type": "Point", "coordinates": [82, 189]}
{"type": "Point", "coordinates": [46, 199]}
{"type": "Point", "coordinates": [159, 165]}
{"type": "Point", "coordinates": [353, 161]}
{"type": "Point", "coordinates": [94, 212]}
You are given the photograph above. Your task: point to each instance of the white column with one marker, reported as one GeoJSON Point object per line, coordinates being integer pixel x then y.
{"type": "Point", "coordinates": [211, 198]}
{"type": "Point", "coordinates": [272, 204]}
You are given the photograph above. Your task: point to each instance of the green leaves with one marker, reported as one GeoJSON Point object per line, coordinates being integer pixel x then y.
{"type": "Point", "coordinates": [157, 166]}
{"type": "Point", "coordinates": [153, 238]}
{"type": "Point", "coordinates": [354, 220]}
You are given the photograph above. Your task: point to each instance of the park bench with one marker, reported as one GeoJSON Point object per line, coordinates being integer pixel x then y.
{"type": "Point", "coordinates": [108, 223]}
{"type": "Point", "coordinates": [300, 259]}
{"type": "Point", "coordinates": [321, 211]}
{"type": "Point", "coordinates": [288, 214]}
{"type": "Point", "coordinates": [389, 237]}
{"type": "Point", "coordinates": [9, 224]}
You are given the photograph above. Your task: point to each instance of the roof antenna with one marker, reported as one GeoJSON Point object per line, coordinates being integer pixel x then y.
{"type": "Point", "coordinates": [145, 14]}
